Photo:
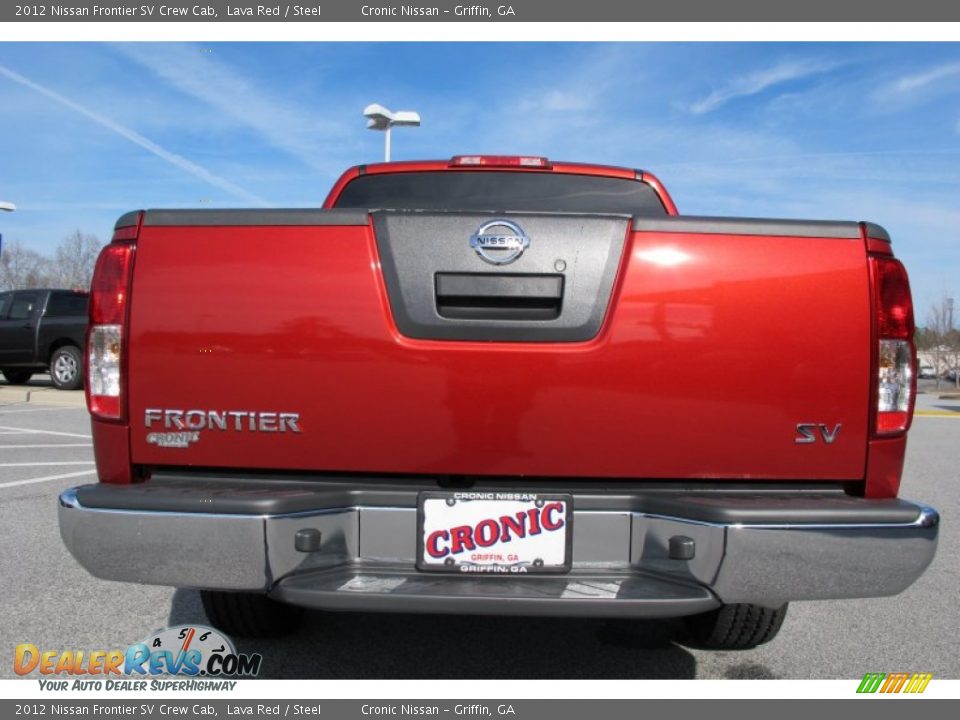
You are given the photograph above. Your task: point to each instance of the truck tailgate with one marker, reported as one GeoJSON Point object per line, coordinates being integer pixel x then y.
{"type": "Point", "coordinates": [673, 350]}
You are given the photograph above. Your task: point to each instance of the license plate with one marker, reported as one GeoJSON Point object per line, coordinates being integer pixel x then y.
{"type": "Point", "coordinates": [494, 532]}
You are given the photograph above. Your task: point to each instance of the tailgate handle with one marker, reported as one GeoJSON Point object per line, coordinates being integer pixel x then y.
{"type": "Point", "coordinates": [487, 296]}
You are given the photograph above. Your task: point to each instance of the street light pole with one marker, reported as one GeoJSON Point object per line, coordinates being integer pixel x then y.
{"type": "Point", "coordinates": [379, 118]}
{"type": "Point", "coordinates": [6, 207]}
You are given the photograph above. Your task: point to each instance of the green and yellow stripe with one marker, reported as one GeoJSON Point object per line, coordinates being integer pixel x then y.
{"type": "Point", "coordinates": [894, 682]}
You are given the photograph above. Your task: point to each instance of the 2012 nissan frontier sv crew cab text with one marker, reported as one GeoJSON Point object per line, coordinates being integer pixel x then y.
{"type": "Point", "coordinates": [500, 385]}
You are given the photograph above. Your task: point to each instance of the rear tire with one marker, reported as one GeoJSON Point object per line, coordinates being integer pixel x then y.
{"type": "Point", "coordinates": [17, 377]}
{"type": "Point", "coordinates": [249, 614]}
{"type": "Point", "coordinates": [736, 627]}
{"type": "Point", "coordinates": [66, 368]}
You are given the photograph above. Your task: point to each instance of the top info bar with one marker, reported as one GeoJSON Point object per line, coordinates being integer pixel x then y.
{"type": "Point", "coordinates": [512, 11]}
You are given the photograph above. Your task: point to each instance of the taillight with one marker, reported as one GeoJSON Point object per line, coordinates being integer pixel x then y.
{"type": "Point", "coordinates": [109, 301]}
{"type": "Point", "coordinates": [896, 355]}
{"type": "Point", "coordinates": [103, 370]}
{"type": "Point", "coordinates": [512, 161]}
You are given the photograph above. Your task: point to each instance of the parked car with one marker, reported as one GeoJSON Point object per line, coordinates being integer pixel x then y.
{"type": "Point", "coordinates": [927, 372]}
{"type": "Point", "coordinates": [43, 331]}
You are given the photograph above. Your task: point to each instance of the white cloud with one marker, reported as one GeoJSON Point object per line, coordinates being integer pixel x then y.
{"type": "Point", "coordinates": [137, 139]}
{"type": "Point", "coordinates": [757, 82]}
{"type": "Point", "coordinates": [918, 81]}
{"type": "Point", "coordinates": [906, 90]}
{"type": "Point", "coordinates": [573, 90]}
{"type": "Point", "coordinates": [281, 124]}
{"type": "Point", "coordinates": [558, 101]}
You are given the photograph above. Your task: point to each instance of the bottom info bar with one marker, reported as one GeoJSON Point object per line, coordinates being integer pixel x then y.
{"type": "Point", "coordinates": [555, 709]}
{"type": "Point", "coordinates": [339, 709]}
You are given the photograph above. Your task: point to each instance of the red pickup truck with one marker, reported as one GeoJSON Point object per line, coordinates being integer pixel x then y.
{"type": "Point", "coordinates": [500, 385]}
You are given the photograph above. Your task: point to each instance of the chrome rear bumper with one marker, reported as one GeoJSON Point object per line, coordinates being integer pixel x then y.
{"type": "Point", "coordinates": [622, 564]}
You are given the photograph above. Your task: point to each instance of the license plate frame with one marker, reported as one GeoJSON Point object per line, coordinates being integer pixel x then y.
{"type": "Point", "coordinates": [507, 501]}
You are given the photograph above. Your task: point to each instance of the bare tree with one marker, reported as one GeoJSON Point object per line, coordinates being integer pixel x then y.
{"type": "Point", "coordinates": [74, 260]}
{"type": "Point", "coordinates": [71, 267]}
{"type": "Point", "coordinates": [22, 268]}
{"type": "Point", "coordinates": [941, 340]}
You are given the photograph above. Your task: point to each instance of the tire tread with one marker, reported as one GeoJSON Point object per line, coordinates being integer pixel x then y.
{"type": "Point", "coordinates": [738, 626]}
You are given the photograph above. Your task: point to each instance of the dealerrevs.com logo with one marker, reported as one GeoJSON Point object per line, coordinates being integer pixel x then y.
{"type": "Point", "coordinates": [189, 651]}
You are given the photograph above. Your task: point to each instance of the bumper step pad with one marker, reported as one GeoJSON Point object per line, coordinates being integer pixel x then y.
{"type": "Point", "coordinates": [385, 588]}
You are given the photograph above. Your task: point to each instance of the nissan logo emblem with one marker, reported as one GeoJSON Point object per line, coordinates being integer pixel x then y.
{"type": "Point", "coordinates": [499, 242]}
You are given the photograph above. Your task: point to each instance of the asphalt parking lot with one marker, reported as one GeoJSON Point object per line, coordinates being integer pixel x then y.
{"type": "Point", "coordinates": [50, 601]}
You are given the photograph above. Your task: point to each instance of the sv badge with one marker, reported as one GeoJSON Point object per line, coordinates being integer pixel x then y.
{"type": "Point", "coordinates": [809, 432]}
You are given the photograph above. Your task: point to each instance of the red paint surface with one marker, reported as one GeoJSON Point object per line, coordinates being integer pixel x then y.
{"type": "Point", "coordinates": [884, 467]}
{"type": "Point", "coordinates": [702, 369]}
{"type": "Point", "coordinates": [111, 451]}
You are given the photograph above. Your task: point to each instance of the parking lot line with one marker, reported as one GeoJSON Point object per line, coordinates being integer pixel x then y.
{"type": "Point", "coordinates": [24, 408]}
{"type": "Point", "coordinates": [59, 445]}
{"type": "Point", "coordinates": [45, 432]}
{"type": "Point", "coordinates": [47, 478]}
{"type": "Point", "coordinates": [43, 464]}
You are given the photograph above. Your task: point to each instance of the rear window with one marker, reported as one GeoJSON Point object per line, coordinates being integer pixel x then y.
{"type": "Point", "coordinates": [501, 192]}
{"type": "Point", "coordinates": [67, 305]}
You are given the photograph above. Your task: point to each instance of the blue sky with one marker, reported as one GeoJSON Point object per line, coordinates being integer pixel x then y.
{"type": "Point", "coordinates": [817, 130]}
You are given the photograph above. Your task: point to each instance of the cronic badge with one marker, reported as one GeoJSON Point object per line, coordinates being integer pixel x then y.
{"type": "Point", "coordinates": [499, 242]}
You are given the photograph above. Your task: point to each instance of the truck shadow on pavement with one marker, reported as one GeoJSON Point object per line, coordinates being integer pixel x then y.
{"type": "Point", "coordinates": [368, 645]}
{"type": "Point", "coordinates": [37, 381]}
